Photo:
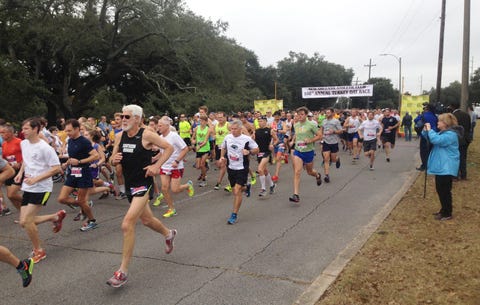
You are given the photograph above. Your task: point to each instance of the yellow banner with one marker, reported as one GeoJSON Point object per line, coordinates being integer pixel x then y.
{"type": "Point", "coordinates": [268, 105]}
{"type": "Point", "coordinates": [412, 104]}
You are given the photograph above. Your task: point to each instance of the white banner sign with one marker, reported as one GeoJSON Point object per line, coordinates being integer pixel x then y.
{"type": "Point", "coordinates": [337, 91]}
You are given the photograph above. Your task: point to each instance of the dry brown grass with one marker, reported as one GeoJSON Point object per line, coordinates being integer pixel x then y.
{"type": "Point", "coordinates": [414, 259]}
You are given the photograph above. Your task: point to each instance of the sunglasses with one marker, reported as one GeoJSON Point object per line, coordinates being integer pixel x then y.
{"type": "Point", "coordinates": [126, 116]}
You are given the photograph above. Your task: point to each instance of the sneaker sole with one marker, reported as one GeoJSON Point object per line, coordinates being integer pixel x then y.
{"type": "Point", "coordinates": [38, 261]}
{"type": "Point", "coordinates": [89, 229]}
{"type": "Point", "coordinates": [117, 286]}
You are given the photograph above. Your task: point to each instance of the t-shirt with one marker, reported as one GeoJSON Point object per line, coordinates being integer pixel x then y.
{"type": "Point", "coordinates": [38, 158]}
{"type": "Point", "coordinates": [263, 137]}
{"type": "Point", "coordinates": [329, 128]}
{"type": "Point", "coordinates": [305, 130]}
{"type": "Point", "coordinates": [370, 129]}
{"type": "Point", "coordinates": [353, 123]}
{"type": "Point", "coordinates": [178, 144]}
{"type": "Point", "coordinates": [388, 122]}
{"type": "Point", "coordinates": [11, 151]}
{"type": "Point", "coordinates": [234, 150]}
{"type": "Point", "coordinates": [79, 148]}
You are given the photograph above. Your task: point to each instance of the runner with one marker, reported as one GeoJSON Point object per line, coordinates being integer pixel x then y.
{"type": "Point", "coordinates": [369, 131]}
{"type": "Point", "coordinates": [78, 174]}
{"type": "Point", "coordinates": [12, 153]}
{"type": "Point", "coordinates": [24, 267]}
{"type": "Point", "coordinates": [390, 125]}
{"type": "Point", "coordinates": [236, 147]}
{"type": "Point", "coordinates": [201, 135]}
{"type": "Point", "coordinates": [133, 151]}
{"type": "Point", "coordinates": [40, 163]}
{"type": "Point", "coordinates": [221, 130]}
{"type": "Point", "coordinates": [279, 148]}
{"type": "Point", "coordinates": [265, 137]}
{"type": "Point", "coordinates": [306, 134]}
{"type": "Point", "coordinates": [331, 129]}
{"type": "Point", "coordinates": [171, 171]}
{"type": "Point", "coordinates": [351, 124]}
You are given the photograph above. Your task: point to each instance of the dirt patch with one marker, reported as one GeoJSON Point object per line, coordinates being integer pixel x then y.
{"type": "Point", "coordinates": [413, 258]}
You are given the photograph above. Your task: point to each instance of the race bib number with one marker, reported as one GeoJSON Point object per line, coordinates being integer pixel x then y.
{"type": "Point", "coordinates": [388, 131]}
{"type": "Point", "coordinates": [11, 160]}
{"type": "Point", "coordinates": [302, 144]}
{"type": "Point", "coordinates": [234, 157]}
{"type": "Point", "coordinates": [371, 134]}
{"type": "Point", "coordinates": [76, 172]}
{"type": "Point", "coordinates": [260, 155]}
{"type": "Point", "coordinates": [138, 190]}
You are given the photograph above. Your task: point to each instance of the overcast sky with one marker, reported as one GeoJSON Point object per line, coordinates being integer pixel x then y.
{"type": "Point", "coordinates": [351, 32]}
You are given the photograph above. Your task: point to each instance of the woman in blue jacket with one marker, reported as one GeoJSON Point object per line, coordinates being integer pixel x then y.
{"type": "Point", "coordinates": [443, 161]}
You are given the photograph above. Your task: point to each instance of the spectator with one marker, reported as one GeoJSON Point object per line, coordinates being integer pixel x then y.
{"type": "Point", "coordinates": [407, 126]}
{"type": "Point", "coordinates": [428, 116]}
{"type": "Point", "coordinates": [463, 120]}
{"type": "Point", "coordinates": [443, 161]}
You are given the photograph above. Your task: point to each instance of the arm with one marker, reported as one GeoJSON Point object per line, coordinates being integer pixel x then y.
{"type": "Point", "coordinates": [181, 156]}
{"type": "Point", "coordinates": [6, 173]}
{"type": "Point", "coordinates": [51, 172]}
{"type": "Point", "coordinates": [150, 138]}
{"type": "Point", "coordinates": [92, 156]}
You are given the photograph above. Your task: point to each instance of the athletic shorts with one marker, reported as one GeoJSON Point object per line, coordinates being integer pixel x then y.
{"type": "Point", "coordinates": [333, 148]}
{"type": "Point", "coordinates": [307, 157]}
{"type": "Point", "coordinates": [239, 176]}
{"type": "Point", "coordinates": [279, 148]}
{"type": "Point", "coordinates": [200, 154]}
{"type": "Point", "coordinates": [218, 150]}
{"type": "Point", "coordinates": [79, 177]}
{"type": "Point", "coordinates": [35, 198]}
{"type": "Point", "coordinates": [262, 155]}
{"type": "Point", "coordinates": [139, 191]}
{"type": "Point", "coordinates": [174, 173]}
{"type": "Point", "coordinates": [187, 141]}
{"type": "Point", "coordinates": [351, 136]}
{"type": "Point", "coordinates": [212, 143]}
{"type": "Point", "coordinates": [370, 145]}
{"type": "Point", "coordinates": [388, 137]}
{"type": "Point", "coordinates": [11, 181]}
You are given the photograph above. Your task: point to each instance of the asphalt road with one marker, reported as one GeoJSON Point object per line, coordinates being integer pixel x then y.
{"type": "Point", "coordinates": [271, 256]}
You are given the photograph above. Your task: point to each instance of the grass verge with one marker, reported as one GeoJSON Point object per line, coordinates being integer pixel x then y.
{"type": "Point", "coordinates": [414, 259]}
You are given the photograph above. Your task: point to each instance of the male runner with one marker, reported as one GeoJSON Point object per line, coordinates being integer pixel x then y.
{"type": "Point", "coordinates": [331, 129]}
{"type": "Point", "coordinates": [221, 130]}
{"type": "Point", "coordinates": [235, 149]}
{"type": "Point", "coordinates": [133, 150]}
{"type": "Point", "coordinates": [351, 124]}
{"type": "Point", "coordinates": [306, 134]}
{"type": "Point", "coordinates": [369, 131]}
{"type": "Point", "coordinates": [171, 171]}
{"type": "Point", "coordinates": [390, 125]}
{"type": "Point", "coordinates": [265, 137]}
{"type": "Point", "coordinates": [78, 174]}
{"type": "Point", "coordinates": [12, 153]}
{"type": "Point", "coordinates": [40, 163]}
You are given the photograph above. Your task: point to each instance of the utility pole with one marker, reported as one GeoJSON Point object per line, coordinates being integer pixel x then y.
{"type": "Point", "coordinates": [369, 69]}
{"type": "Point", "coordinates": [440, 53]}
{"type": "Point", "coordinates": [466, 55]}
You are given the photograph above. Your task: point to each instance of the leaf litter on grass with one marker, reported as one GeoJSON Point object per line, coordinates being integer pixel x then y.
{"type": "Point", "coordinates": [414, 259]}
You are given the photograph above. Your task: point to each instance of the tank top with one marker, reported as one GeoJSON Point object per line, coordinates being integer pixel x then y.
{"type": "Point", "coordinates": [220, 133]}
{"type": "Point", "coordinates": [201, 137]}
{"type": "Point", "coordinates": [134, 158]}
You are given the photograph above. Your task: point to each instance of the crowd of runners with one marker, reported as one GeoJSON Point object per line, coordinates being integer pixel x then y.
{"type": "Point", "coordinates": [142, 160]}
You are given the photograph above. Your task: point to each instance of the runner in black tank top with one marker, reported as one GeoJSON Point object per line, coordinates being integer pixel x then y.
{"type": "Point", "coordinates": [135, 159]}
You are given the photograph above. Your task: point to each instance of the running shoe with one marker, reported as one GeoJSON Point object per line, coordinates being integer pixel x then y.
{"type": "Point", "coordinates": [118, 279]}
{"type": "Point", "coordinates": [233, 219]}
{"type": "Point", "coordinates": [5, 212]}
{"type": "Point", "coordinates": [262, 193]}
{"type": "Point", "coordinates": [158, 200]}
{"type": "Point", "coordinates": [371, 167]}
{"type": "Point", "coordinates": [90, 203]}
{"type": "Point", "coordinates": [121, 196]}
{"type": "Point", "coordinates": [286, 158]}
{"type": "Point", "coordinates": [38, 255]}
{"type": "Point", "coordinates": [228, 188]}
{"type": "Point", "coordinates": [327, 179]}
{"type": "Point", "coordinates": [112, 188]}
{"type": "Point", "coordinates": [170, 213]}
{"type": "Point", "coordinates": [89, 225]}
{"type": "Point", "coordinates": [169, 241]}
{"type": "Point", "coordinates": [57, 225]}
{"type": "Point", "coordinates": [80, 216]}
{"type": "Point", "coordinates": [388, 159]}
{"type": "Point", "coordinates": [275, 179]}
{"type": "Point", "coordinates": [191, 190]}
{"type": "Point", "coordinates": [253, 179]}
{"type": "Point", "coordinates": [103, 196]}
{"type": "Point", "coordinates": [202, 183]}
{"type": "Point", "coordinates": [319, 179]}
{"type": "Point", "coordinates": [26, 271]}
{"type": "Point", "coordinates": [294, 198]}
{"type": "Point", "coordinates": [248, 190]}
{"type": "Point", "coordinates": [217, 186]}
{"type": "Point", "coordinates": [337, 164]}
{"type": "Point", "coordinates": [272, 189]}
